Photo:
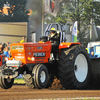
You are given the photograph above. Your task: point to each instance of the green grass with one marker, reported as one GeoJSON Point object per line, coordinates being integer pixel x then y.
{"type": "Point", "coordinates": [19, 81]}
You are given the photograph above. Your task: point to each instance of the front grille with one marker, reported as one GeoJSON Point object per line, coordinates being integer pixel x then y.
{"type": "Point", "coordinates": [7, 72]}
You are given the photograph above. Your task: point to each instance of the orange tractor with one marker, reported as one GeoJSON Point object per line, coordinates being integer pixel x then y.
{"type": "Point", "coordinates": [37, 64]}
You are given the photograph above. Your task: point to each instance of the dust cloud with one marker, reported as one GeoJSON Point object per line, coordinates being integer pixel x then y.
{"type": "Point", "coordinates": [36, 17]}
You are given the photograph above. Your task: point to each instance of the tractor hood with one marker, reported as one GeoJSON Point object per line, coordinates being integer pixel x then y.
{"type": "Point", "coordinates": [30, 52]}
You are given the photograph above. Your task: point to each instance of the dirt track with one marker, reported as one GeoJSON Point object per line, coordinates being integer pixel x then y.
{"type": "Point", "coordinates": [22, 92]}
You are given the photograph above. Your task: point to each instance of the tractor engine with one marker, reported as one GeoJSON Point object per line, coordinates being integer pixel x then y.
{"type": "Point", "coordinates": [29, 53]}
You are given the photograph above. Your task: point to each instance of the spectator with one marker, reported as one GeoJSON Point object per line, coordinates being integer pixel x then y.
{"type": "Point", "coordinates": [10, 55]}
{"type": "Point", "coordinates": [6, 53]}
{"type": "Point", "coordinates": [8, 45]}
{"type": "Point", "coordinates": [1, 49]}
{"type": "Point", "coordinates": [4, 45]}
{"type": "Point", "coordinates": [23, 40]}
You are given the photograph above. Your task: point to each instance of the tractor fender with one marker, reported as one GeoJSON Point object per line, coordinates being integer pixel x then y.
{"type": "Point", "coordinates": [67, 44]}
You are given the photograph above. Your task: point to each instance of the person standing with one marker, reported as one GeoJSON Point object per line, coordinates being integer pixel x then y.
{"type": "Point", "coordinates": [23, 40]}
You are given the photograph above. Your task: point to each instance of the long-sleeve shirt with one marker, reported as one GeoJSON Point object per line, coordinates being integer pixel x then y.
{"type": "Point", "coordinates": [6, 54]}
{"type": "Point", "coordinates": [55, 39]}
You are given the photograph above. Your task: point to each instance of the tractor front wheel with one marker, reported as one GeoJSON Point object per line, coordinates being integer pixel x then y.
{"type": "Point", "coordinates": [40, 73]}
{"type": "Point", "coordinates": [6, 83]}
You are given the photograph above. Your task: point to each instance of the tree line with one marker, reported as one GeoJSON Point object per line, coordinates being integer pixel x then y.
{"type": "Point", "coordinates": [16, 12]}
{"type": "Point", "coordinates": [70, 10]}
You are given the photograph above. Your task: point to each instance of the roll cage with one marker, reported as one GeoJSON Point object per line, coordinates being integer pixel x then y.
{"type": "Point", "coordinates": [60, 29]}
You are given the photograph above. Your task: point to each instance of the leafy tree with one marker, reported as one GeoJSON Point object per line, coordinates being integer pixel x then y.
{"type": "Point", "coordinates": [82, 11]}
{"type": "Point", "coordinates": [1, 9]}
{"type": "Point", "coordinates": [1, 4]}
{"type": "Point", "coordinates": [17, 11]}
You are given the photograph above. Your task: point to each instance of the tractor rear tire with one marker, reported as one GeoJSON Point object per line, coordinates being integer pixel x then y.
{"type": "Point", "coordinates": [6, 83]}
{"type": "Point", "coordinates": [40, 73]}
{"type": "Point", "coordinates": [74, 68]}
{"type": "Point", "coordinates": [29, 80]}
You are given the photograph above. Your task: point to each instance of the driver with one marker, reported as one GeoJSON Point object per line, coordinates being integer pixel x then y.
{"type": "Point", "coordinates": [55, 40]}
{"type": "Point", "coordinates": [54, 37]}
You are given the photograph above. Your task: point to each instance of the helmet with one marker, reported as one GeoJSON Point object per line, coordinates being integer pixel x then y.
{"type": "Point", "coordinates": [53, 30]}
